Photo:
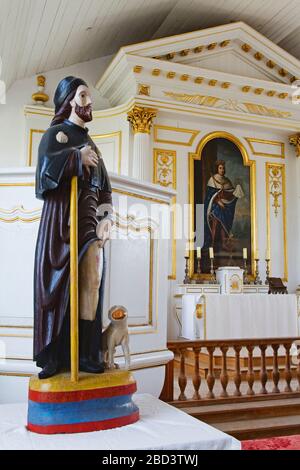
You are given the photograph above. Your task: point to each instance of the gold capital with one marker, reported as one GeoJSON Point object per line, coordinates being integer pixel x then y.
{"type": "Point", "coordinates": [295, 140]}
{"type": "Point", "coordinates": [141, 119]}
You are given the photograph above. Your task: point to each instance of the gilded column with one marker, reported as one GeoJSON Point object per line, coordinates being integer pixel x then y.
{"type": "Point", "coordinates": [141, 122]}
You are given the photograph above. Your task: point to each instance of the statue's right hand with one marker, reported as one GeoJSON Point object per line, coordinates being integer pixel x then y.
{"type": "Point", "coordinates": [88, 156]}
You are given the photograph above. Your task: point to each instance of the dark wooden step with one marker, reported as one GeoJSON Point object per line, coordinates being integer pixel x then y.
{"type": "Point", "coordinates": [244, 411]}
{"type": "Point", "coordinates": [261, 428]}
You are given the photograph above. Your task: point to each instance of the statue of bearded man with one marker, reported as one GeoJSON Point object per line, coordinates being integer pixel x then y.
{"type": "Point", "coordinates": [67, 150]}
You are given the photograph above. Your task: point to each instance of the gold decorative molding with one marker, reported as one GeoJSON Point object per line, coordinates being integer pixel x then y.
{"type": "Point", "coordinates": [276, 188]}
{"type": "Point", "coordinates": [164, 167]}
{"type": "Point", "coordinates": [198, 49]}
{"type": "Point", "coordinates": [258, 91]}
{"type": "Point", "coordinates": [265, 111]}
{"type": "Point", "coordinates": [275, 185]}
{"type": "Point", "coordinates": [270, 64]}
{"type": "Point", "coordinates": [212, 82]}
{"type": "Point", "coordinates": [193, 99]}
{"type": "Point", "coordinates": [141, 119]}
{"type": "Point", "coordinates": [225, 85]}
{"type": "Point", "coordinates": [282, 72]}
{"type": "Point", "coordinates": [295, 140]}
{"type": "Point", "coordinates": [258, 55]}
{"type": "Point", "coordinates": [164, 174]}
{"type": "Point", "coordinates": [137, 68]}
{"type": "Point", "coordinates": [275, 143]}
{"type": "Point", "coordinates": [191, 132]}
{"type": "Point", "coordinates": [156, 72]}
{"type": "Point", "coordinates": [213, 101]}
{"type": "Point", "coordinates": [143, 89]}
{"type": "Point", "coordinates": [184, 77]}
{"type": "Point", "coordinates": [282, 96]}
{"type": "Point", "coordinates": [246, 88]}
{"type": "Point", "coordinates": [246, 47]}
{"type": "Point", "coordinates": [198, 79]}
{"type": "Point", "coordinates": [19, 214]}
{"type": "Point", "coordinates": [212, 46]}
{"type": "Point", "coordinates": [225, 43]}
{"type": "Point", "coordinates": [271, 92]}
{"type": "Point", "coordinates": [171, 74]}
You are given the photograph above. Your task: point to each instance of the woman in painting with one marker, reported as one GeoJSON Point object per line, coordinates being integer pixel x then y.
{"type": "Point", "coordinates": [219, 208]}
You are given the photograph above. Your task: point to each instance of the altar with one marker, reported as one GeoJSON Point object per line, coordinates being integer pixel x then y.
{"type": "Point", "coordinates": [213, 316]}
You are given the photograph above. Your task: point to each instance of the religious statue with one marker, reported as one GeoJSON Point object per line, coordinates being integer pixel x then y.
{"type": "Point", "coordinates": [219, 208]}
{"type": "Point", "coordinates": [67, 150]}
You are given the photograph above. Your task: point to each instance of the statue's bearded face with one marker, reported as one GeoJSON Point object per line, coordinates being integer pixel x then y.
{"type": "Point", "coordinates": [82, 103]}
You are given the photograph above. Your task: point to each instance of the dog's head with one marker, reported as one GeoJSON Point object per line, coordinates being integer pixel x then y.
{"type": "Point", "coordinates": [117, 314]}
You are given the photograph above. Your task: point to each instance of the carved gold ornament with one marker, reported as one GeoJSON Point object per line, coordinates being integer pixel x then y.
{"type": "Point", "coordinates": [199, 311]}
{"type": "Point", "coordinates": [164, 167]}
{"type": "Point", "coordinates": [141, 119]}
{"type": "Point", "coordinates": [295, 140]}
{"type": "Point", "coordinates": [275, 178]}
{"type": "Point", "coordinates": [144, 90]}
{"type": "Point", "coordinates": [40, 97]}
{"type": "Point", "coordinates": [270, 64]}
{"type": "Point", "coordinates": [171, 74]}
{"type": "Point", "coordinates": [137, 68]}
{"type": "Point", "coordinates": [246, 47]}
{"type": "Point", "coordinates": [213, 101]}
{"type": "Point", "coordinates": [258, 55]}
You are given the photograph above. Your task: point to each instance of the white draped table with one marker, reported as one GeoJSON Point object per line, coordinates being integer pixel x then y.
{"type": "Point", "coordinates": [239, 316]}
{"type": "Point", "coordinates": [161, 427]}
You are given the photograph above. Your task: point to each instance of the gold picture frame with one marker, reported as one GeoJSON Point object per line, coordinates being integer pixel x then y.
{"type": "Point", "coordinates": [197, 155]}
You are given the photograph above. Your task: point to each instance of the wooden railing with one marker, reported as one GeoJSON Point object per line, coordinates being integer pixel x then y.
{"type": "Point", "coordinates": [262, 376]}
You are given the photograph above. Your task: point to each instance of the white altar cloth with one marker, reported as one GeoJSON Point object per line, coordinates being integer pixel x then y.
{"type": "Point", "coordinates": [240, 316]}
{"type": "Point", "coordinates": [161, 427]}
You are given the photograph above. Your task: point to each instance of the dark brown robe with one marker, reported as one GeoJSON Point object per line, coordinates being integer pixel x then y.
{"type": "Point", "coordinates": [57, 164]}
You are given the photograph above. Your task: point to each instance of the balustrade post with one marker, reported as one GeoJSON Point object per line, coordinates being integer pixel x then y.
{"type": "Point", "coordinates": [224, 374]}
{"type": "Point", "coordinates": [287, 373]}
{"type": "Point", "coordinates": [250, 372]}
{"type": "Point", "coordinates": [210, 379]}
{"type": "Point", "coordinates": [275, 373]}
{"type": "Point", "coordinates": [263, 371]}
{"type": "Point", "coordinates": [237, 373]}
{"type": "Point", "coordinates": [182, 380]}
{"type": "Point", "coordinates": [196, 377]}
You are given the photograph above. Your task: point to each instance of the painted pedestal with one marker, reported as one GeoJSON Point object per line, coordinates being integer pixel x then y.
{"type": "Point", "coordinates": [103, 401]}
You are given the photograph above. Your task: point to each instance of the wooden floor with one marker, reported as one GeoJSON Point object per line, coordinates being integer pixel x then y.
{"type": "Point", "coordinates": [245, 419]}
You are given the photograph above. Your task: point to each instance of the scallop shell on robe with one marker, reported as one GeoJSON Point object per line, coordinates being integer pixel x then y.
{"type": "Point", "coordinates": [61, 137]}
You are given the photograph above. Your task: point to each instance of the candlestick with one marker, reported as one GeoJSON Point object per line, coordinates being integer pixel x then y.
{"type": "Point", "coordinates": [246, 280]}
{"type": "Point", "coordinates": [257, 278]}
{"type": "Point", "coordinates": [267, 270]}
{"type": "Point", "coordinates": [198, 252]}
{"type": "Point", "coordinates": [245, 253]}
{"type": "Point", "coordinates": [199, 271]}
{"type": "Point", "coordinates": [187, 279]}
{"type": "Point", "coordinates": [212, 271]}
{"type": "Point", "coordinates": [211, 252]}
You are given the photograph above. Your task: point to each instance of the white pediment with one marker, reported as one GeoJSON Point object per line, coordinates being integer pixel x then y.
{"type": "Point", "coordinates": [233, 62]}
{"type": "Point", "coordinates": [230, 66]}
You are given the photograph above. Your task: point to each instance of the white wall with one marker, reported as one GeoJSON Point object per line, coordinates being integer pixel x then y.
{"type": "Point", "coordinates": [12, 122]}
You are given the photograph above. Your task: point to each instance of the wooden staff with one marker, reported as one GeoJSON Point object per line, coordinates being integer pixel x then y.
{"type": "Point", "coordinates": [74, 279]}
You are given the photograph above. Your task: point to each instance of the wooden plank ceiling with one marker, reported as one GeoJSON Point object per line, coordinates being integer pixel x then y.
{"type": "Point", "coordinates": [41, 35]}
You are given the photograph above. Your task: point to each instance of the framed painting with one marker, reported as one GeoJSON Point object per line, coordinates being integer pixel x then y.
{"type": "Point", "coordinates": [222, 203]}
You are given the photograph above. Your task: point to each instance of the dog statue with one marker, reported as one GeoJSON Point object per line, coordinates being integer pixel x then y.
{"type": "Point", "coordinates": [116, 334]}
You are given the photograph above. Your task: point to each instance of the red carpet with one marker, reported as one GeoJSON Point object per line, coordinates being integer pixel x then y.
{"type": "Point", "coordinates": [273, 443]}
